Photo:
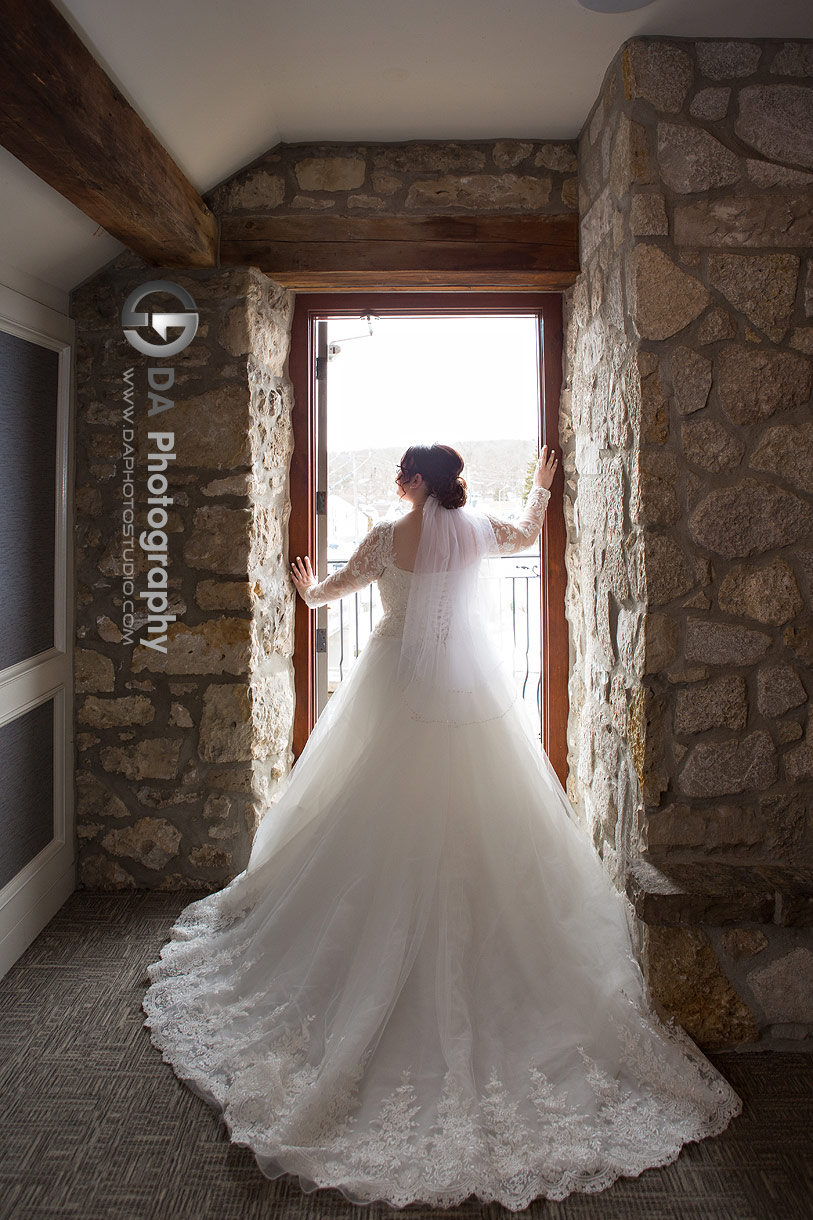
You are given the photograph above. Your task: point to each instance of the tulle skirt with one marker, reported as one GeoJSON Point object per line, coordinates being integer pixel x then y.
{"type": "Point", "coordinates": [422, 987]}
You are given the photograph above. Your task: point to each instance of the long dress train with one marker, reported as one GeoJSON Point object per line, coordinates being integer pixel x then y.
{"type": "Point", "coordinates": [422, 987]}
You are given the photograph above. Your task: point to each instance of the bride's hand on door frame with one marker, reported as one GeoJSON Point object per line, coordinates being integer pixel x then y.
{"type": "Point", "coordinates": [302, 574]}
{"type": "Point", "coordinates": [545, 468]}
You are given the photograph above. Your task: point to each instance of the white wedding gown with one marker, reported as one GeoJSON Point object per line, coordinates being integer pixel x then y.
{"type": "Point", "coordinates": [422, 986]}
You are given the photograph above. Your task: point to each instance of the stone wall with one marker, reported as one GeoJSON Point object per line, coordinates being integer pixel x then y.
{"type": "Point", "coordinates": [409, 179]}
{"type": "Point", "coordinates": [689, 467]}
{"type": "Point", "coordinates": [178, 751]}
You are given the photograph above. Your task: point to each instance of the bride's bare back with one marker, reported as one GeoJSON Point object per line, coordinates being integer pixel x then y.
{"type": "Point", "coordinates": [406, 534]}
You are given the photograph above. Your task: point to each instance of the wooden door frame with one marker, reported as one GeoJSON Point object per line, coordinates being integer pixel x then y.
{"type": "Point", "coordinates": [302, 524]}
{"type": "Point", "coordinates": [30, 899]}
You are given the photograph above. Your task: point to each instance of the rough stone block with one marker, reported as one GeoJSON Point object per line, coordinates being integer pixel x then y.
{"type": "Point", "coordinates": [724, 643]}
{"type": "Point", "coordinates": [735, 221]}
{"type": "Point", "coordinates": [153, 758]}
{"type": "Point", "coordinates": [709, 892]}
{"type": "Point", "coordinates": [784, 819]}
{"type": "Point", "coordinates": [480, 191]}
{"type": "Point", "coordinates": [711, 103]}
{"type": "Point", "coordinates": [210, 429]}
{"type": "Point", "coordinates": [561, 158]}
{"type": "Point", "coordinates": [769, 174]}
{"type": "Point", "coordinates": [708, 444]}
{"type": "Point", "coordinates": [784, 988]}
{"type": "Point", "coordinates": [629, 158]}
{"type": "Point", "coordinates": [662, 298]}
{"type": "Point", "coordinates": [207, 856]}
{"type": "Point", "coordinates": [691, 378]}
{"type": "Point", "coordinates": [719, 768]}
{"type": "Point", "coordinates": [693, 160]}
{"type": "Point", "coordinates": [213, 647]}
{"type": "Point", "coordinates": [150, 841]}
{"type": "Point", "coordinates": [658, 476]}
{"type": "Point", "coordinates": [420, 157]}
{"type": "Point", "coordinates": [253, 191]}
{"type": "Point", "coordinates": [220, 539]}
{"type": "Point", "coordinates": [226, 727]}
{"type": "Point", "coordinates": [108, 713]}
{"type": "Point", "coordinates": [223, 595]}
{"type": "Point", "coordinates": [93, 671]}
{"type": "Point", "coordinates": [721, 703]}
{"type": "Point", "coordinates": [798, 761]}
{"type": "Point", "coordinates": [793, 59]}
{"type": "Point", "coordinates": [685, 977]}
{"type": "Point", "coordinates": [778, 121]}
{"type": "Point", "coordinates": [668, 569]}
{"type": "Point", "coordinates": [756, 384]}
{"type": "Point", "coordinates": [339, 173]}
{"type": "Point", "coordinates": [779, 688]}
{"type": "Point", "coordinates": [768, 593]}
{"type": "Point", "coordinates": [508, 153]}
{"type": "Point", "coordinates": [96, 800]}
{"type": "Point", "coordinates": [658, 73]}
{"type": "Point", "coordinates": [786, 450]}
{"type": "Point", "coordinates": [648, 216]}
{"type": "Point", "coordinates": [597, 224]}
{"type": "Point", "coordinates": [101, 873]}
{"type": "Point", "coordinates": [385, 184]}
{"type": "Point", "coordinates": [661, 641]}
{"type": "Point", "coordinates": [720, 60]}
{"type": "Point", "coordinates": [749, 518]}
{"type": "Point", "coordinates": [762, 286]}
{"type": "Point", "coordinates": [717, 324]}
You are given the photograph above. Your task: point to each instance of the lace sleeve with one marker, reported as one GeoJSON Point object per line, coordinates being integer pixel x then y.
{"type": "Point", "coordinates": [513, 536]}
{"type": "Point", "coordinates": [365, 564]}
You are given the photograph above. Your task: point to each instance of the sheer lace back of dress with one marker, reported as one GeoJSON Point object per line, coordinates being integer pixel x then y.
{"type": "Point", "coordinates": [375, 554]}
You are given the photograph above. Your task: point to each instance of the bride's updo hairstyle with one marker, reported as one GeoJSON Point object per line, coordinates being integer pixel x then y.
{"type": "Point", "coordinates": [440, 466]}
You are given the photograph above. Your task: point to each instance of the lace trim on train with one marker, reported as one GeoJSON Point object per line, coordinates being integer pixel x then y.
{"type": "Point", "coordinates": [258, 1071]}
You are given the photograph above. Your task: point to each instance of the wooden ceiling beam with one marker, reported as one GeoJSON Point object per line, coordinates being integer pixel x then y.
{"type": "Point", "coordinates": [62, 116]}
{"type": "Point", "coordinates": [342, 253]}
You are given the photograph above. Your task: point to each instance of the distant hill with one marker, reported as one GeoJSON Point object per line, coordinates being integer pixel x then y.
{"type": "Point", "coordinates": [495, 470]}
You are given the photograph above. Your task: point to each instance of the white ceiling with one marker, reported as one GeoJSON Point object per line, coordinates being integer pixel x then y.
{"type": "Point", "coordinates": [222, 81]}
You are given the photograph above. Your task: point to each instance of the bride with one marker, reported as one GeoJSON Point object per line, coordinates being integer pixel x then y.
{"type": "Point", "coordinates": [422, 986]}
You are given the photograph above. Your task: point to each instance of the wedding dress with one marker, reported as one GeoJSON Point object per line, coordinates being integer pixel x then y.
{"type": "Point", "coordinates": [422, 987]}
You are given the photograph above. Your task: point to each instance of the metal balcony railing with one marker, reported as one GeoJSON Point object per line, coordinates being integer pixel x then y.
{"type": "Point", "coordinates": [352, 618]}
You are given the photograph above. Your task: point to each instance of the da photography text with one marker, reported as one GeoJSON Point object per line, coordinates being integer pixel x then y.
{"type": "Point", "coordinates": [152, 394]}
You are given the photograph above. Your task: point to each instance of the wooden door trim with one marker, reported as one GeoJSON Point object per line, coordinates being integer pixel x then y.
{"type": "Point", "coordinates": [302, 523]}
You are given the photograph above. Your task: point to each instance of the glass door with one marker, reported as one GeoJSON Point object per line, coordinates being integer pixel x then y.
{"type": "Point", "coordinates": [464, 395]}
{"type": "Point", "coordinates": [384, 383]}
{"type": "Point", "coordinates": [37, 848]}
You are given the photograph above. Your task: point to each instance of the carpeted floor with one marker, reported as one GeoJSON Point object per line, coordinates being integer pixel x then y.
{"type": "Point", "coordinates": [93, 1124]}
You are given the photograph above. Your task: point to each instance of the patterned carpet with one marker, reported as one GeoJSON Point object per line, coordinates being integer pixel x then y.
{"type": "Point", "coordinates": [94, 1125]}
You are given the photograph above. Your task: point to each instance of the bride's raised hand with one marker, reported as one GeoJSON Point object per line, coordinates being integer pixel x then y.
{"type": "Point", "coordinates": [302, 574]}
{"type": "Point", "coordinates": [545, 468]}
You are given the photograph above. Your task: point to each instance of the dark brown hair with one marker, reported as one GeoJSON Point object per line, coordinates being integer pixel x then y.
{"type": "Point", "coordinates": [440, 467]}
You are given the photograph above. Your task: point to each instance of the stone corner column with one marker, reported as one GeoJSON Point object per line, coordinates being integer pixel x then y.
{"type": "Point", "coordinates": [690, 371]}
{"type": "Point", "coordinates": [178, 752]}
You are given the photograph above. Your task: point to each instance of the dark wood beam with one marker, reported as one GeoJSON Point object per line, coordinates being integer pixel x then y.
{"type": "Point", "coordinates": [63, 117]}
{"type": "Point", "coordinates": [342, 253]}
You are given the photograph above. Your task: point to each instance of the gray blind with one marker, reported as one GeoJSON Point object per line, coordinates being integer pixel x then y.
{"type": "Point", "coordinates": [28, 423]}
{"type": "Point", "coordinates": [26, 788]}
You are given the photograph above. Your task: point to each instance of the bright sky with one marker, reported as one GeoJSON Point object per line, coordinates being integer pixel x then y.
{"type": "Point", "coordinates": [424, 380]}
